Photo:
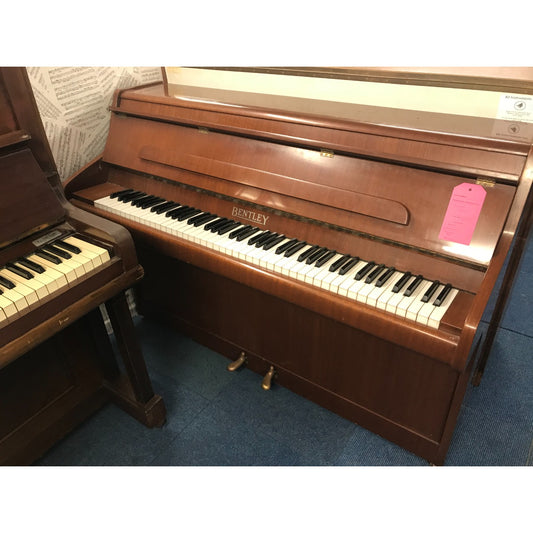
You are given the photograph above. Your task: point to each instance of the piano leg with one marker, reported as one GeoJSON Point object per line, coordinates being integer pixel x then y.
{"type": "Point", "coordinates": [132, 392]}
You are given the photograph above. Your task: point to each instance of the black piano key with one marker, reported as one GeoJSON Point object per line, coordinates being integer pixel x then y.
{"type": "Point", "coordinates": [246, 234]}
{"type": "Point", "coordinates": [236, 232]}
{"type": "Point", "coordinates": [232, 224]}
{"type": "Point", "coordinates": [124, 194]}
{"type": "Point", "coordinates": [344, 269]}
{"type": "Point", "coordinates": [401, 282]}
{"type": "Point", "coordinates": [188, 214]}
{"type": "Point", "coordinates": [375, 273]}
{"type": "Point", "coordinates": [198, 220]}
{"type": "Point", "coordinates": [130, 196]}
{"type": "Point", "coordinates": [255, 238]}
{"type": "Point", "coordinates": [49, 257]}
{"type": "Point", "coordinates": [267, 241]}
{"type": "Point", "coordinates": [173, 213]}
{"type": "Point", "coordinates": [340, 261]}
{"type": "Point", "coordinates": [50, 248]}
{"type": "Point", "coordinates": [304, 255]}
{"type": "Point", "coordinates": [285, 246]}
{"type": "Point", "coordinates": [163, 208]}
{"type": "Point", "coordinates": [365, 270]}
{"type": "Point", "coordinates": [216, 224]}
{"type": "Point", "coordinates": [204, 221]}
{"type": "Point", "coordinates": [315, 256]}
{"type": "Point", "coordinates": [22, 272]}
{"type": "Point", "coordinates": [296, 247]}
{"type": "Point", "coordinates": [67, 246]}
{"type": "Point", "coordinates": [263, 238]}
{"type": "Point", "coordinates": [413, 285]}
{"type": "Point", "coordinates": [117, 193]}
{"type": "Point", "coordinates": [31, 265]}
{"type": "Point", "coordinates": [273, 242]}
{"type": "Point", "coordinates": [325, 258]}
{"type": "Point", "coordinates": [429, 293]}
{"type": "Point", "coordinates": [240, 233]}
{"type": "Point", "coordinates": [7, 283]}
{"type": "Point", "coordinates": [138, 202]}
{"type": "Point", "coordinates": [385, 276]}
{"type": "Point", "coordinates": [154, 201]}
{"type": "Point", "coordinates": [1, 291]}
{"type": "Point", "coordinates": [439, 300]}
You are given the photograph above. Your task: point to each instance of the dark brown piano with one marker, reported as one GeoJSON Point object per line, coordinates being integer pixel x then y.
{"type": "Point", "coordinates": [58, 264]}
{"type": "Point", "coordinates": [331, 274]}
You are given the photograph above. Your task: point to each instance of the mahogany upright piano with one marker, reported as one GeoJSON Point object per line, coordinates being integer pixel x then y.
{"type": "Point", "coordinates": [58, 264]}
{"type": "Point", "coordinates": [305, 239]}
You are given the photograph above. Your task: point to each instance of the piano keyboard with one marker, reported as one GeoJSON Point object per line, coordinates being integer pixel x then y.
{"type": "Point", "coordinates": [30, 279]}
{"type": "Point", "coordinates": [402, 293]}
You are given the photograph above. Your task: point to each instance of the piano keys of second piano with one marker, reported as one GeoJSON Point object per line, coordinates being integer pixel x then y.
{"type": "Point", "coordinates": [354, 278]}
{"type": "Point", "coordinates": [27, 281]}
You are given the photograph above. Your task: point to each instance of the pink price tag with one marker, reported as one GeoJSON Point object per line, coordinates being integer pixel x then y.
{"type": "Point", "coordinates": [462, 213]}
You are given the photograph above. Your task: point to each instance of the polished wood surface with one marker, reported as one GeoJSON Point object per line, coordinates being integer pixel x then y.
{"type": "Point", "coordinates": [57, 364]}
{"type": "Point", "coordinates": [332, 174]}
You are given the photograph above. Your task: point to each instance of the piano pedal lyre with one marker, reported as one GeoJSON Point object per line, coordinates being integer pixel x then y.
{"type": "Point", "coordinates": [234, 365]}
{"type": "Point", "coordinates": [267, 380]}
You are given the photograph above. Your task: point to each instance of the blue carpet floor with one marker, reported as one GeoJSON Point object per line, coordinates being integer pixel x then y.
{"type": "Point", "coordinates": [220, 418]}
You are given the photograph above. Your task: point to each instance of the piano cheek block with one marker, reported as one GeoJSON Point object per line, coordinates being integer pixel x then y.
{"type": "Point", "coordinates": [324, 225]}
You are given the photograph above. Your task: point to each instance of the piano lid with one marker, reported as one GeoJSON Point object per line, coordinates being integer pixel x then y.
{"type": "Point", "coordinates": [441, 128]}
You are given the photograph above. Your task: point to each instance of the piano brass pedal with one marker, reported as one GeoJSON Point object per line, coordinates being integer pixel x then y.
{"type": "Point", "coordinates": [267, 380]}
{"type": "Point", "coordinates": [234, 365]}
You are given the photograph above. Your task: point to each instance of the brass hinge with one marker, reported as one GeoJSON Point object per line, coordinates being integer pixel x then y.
{"type": "Point", "coordinates": [326, 153]}
{"type": "Point", "coordinates": [486, 182]}
{"type": "Point", "coordinates": [201, 129]}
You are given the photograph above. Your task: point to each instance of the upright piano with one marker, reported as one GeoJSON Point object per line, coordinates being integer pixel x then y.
{"type": "Point", "coordinates": [58, 265]}
{"type": "Point", "coordinates": [344, 251]}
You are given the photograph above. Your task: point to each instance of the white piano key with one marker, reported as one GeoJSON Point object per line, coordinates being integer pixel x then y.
{"type": "Point", "coordinates": [3, 317]}
{"type": "Point", "coordinates": [7, 306]}
{"type": "Point", "coordinates": [438, 312]}
{"type": "Point", "coordinates": [397, 297]}
{"type": "Point", "coordinates": [416, 300]}
{"type": "Point", "coordinates": [355, 287]}
{"type": "Point", "coordinates": [29, 294]}
{"type": "Point", "coordinates": [36, 286]}
{"type": "Point", "coordinates": [57, 276]}
{"type": "Point", "coordinates": [422, 316]}
{"type": "Point", "coordinates": [48, 281]}
{"type": "Point", "coordinates": [16, 297]}
{"type": "Point", "coordinates": [66, 270]}
{"type": "Point", "coordinates": [77, 240]}
{"type": "Point", "coordinates": [347, 284]}
{"type": "Point", "coordinates": [316, 274]}
{"type": "Point", "coordinates": [380, 293]}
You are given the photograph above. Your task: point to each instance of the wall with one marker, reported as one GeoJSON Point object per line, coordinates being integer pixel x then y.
{"type": "Point", "coordinates": [73, 103]}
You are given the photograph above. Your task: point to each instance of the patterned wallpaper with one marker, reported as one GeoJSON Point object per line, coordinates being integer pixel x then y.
{"type": "Point", "coordinates": [73, 103]}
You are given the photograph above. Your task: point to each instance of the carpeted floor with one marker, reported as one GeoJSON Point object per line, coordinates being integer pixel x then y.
{"type": "Point", "coordinates": [220, 418]}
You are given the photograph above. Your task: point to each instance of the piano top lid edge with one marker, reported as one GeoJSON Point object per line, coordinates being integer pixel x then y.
{"type": "Point", "coordinates": [440, 128]}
